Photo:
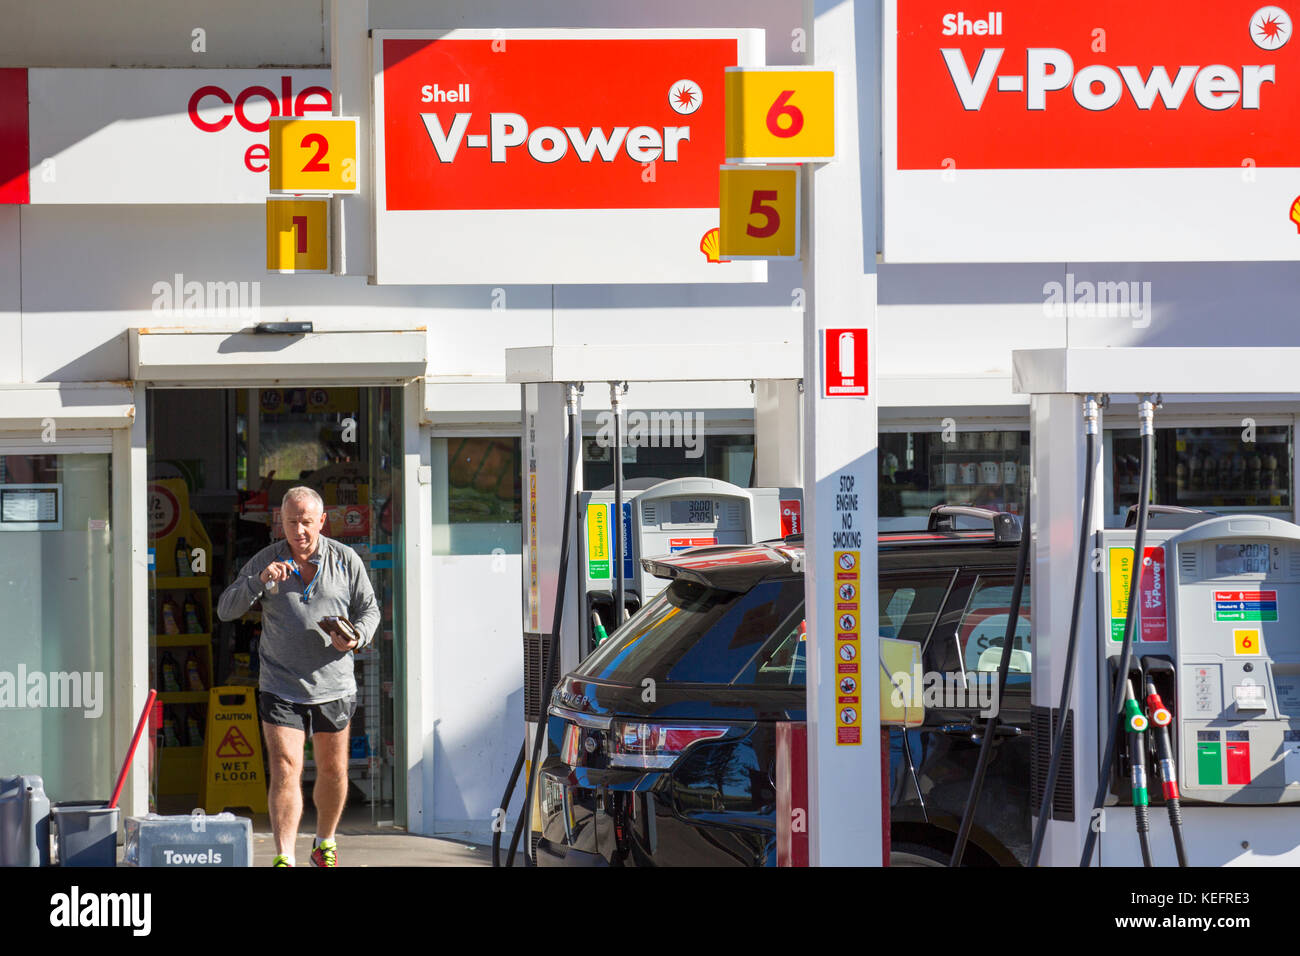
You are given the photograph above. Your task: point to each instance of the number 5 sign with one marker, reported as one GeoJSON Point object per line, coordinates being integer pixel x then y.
{"type": "Point", "coordinates": [758, 212]}
{"type": "Point", "coordinates": [314, 155]}
{"type": "Point", "coordinates": [780, 114]}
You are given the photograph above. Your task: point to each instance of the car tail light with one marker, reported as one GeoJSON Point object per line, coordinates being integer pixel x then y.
{"type": "Point", "coordinates": [655, 746]}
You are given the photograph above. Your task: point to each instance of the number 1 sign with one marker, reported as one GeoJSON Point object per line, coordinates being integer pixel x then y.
{"type": "Point", "coordinates": [297, 235]}
{"type": "Point", "coordinates": [314, 155]}
{"type": "Point", "coordinates": [780, 114]}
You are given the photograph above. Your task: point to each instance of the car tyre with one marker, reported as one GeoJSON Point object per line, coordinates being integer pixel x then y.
{"type": "Point", "coordinates": [916, 854]}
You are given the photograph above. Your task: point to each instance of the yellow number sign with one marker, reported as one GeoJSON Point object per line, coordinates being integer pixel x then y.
{"type": "Point", "coordinates": [297, 235]}
{"type": "Point", "coordinates": [759, 212]}
{"type": "Point", "coordinates": [780, 114]}
{"type": "Point", "coordinates": [314, 155]}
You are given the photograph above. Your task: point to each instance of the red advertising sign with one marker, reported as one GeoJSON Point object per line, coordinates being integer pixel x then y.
{"type": "Point", "coordinates": [553, 123]}
{"type": "Point", "coordinates": [791, 516]}
{"type": "Point", "coordinates": [1154, 588]}
{"type": "Point", "coordinates": [845, 363]}
{"type": "Point", "coordinates": [14, 187]}
{"type": "Point", "coordinates": [1103, 85]}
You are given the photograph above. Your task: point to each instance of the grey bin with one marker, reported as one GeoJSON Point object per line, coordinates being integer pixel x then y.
{"type": "Point", "coordinates": [24, 822]}
{"type": "Point", "coordinates": [85, 833]}
{"type": "Point", "coordinates": [193, 840]}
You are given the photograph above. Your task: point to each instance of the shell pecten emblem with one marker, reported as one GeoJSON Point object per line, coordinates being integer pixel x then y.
{"type": "Point", "coordinates": [1295, 213]}
{"type": "Point", "coordinates": [709, 246]}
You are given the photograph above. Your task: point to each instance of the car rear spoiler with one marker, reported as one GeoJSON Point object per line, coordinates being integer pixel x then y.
{"type": "Point", "coordinates": [1006, 526]}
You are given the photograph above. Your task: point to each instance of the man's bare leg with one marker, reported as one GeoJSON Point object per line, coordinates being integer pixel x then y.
{"type": "Point", "coordinates": [331, 790]}
{"type": "Point", "coordinates": [284, 764]}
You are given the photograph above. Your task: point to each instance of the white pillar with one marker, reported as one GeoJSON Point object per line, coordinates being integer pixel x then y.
{"type": "Point", "coordinates": [351, 80]}
{"type": "Point", "coordinates": [778, 434]}
{"type": "Point", "coordinates": [417, 565]}
{"type": "Point", "coordinates": [840, 456]}
{"type": "Point", "coordinates": [130, 530]}
{"type": "Point", "coordinates": [1056, 503]}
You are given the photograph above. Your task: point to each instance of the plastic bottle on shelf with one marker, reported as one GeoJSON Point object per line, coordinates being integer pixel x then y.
{"type": "Point", "coordinates": [170, 737]}
{"type": "Point", "coordinates": [193, 732]}
{"type": "Point", "coordinates": [193, 674]}
{"type": "Point", "coordinates": [192, 623]}
{"type": "Point", "coordinates": [183, 569]}
{"type": "Point", "coordinates": [170, 616]}
{"type": "Point", "coordinates": [171, 682]}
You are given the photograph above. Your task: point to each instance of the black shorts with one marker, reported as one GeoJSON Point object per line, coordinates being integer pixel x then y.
{"type": "Point", "coordinates": [328, 717]}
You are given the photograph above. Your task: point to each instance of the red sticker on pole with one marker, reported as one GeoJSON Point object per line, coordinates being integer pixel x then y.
{"type": "Point", "coordinates": [844, 363]}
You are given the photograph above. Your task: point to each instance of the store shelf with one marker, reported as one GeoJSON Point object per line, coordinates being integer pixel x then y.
{"type": "Point", "coordinates": [190, 583]}
{"type": "Point", "coordinates": [183, 696]}
{"type": "Point", "coordinates": [179, 640]}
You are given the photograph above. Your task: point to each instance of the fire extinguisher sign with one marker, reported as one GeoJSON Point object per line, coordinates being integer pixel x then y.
{"type": "Point", "coordinates": [844, 363]}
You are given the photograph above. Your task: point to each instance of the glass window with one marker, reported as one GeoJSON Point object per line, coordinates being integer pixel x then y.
{"type": "Point", "coordinates": [908, 604]}
{"type": "Point", "coordinates": [1217, 469]}
{"type": "Point", "coordinates": [699, 635]}
{"type": "Point", "coordinates": [661, 451]}
{"type": "Point", "coordinates": [983, 629]}
{"type": "Point", "coordinates": [477, 495]}
{"type": "Point", "coordinates": [56, 648]}
{"type": "Point", "coordinates": [919, 470]}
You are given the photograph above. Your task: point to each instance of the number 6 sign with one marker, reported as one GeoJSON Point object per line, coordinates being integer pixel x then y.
{"type": "Point", "coordinates": [780, 114]}
{"type": "Point", "coordinates": [314, 155]}
{"type": "Point", "coordinates": [758, 212]}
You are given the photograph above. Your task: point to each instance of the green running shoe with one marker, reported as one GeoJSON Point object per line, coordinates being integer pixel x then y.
{"type": "Point", "coordinates": [281, 860]}
{"type": "Point", "coordinates": [324, 853]}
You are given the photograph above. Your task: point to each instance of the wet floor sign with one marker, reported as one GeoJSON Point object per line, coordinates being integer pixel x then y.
{"type": "Point", "coordinates": [234, 774]}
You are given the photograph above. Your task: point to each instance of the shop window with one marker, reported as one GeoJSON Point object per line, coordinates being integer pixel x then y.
{"type": "Point", "coordinates": [477, 495]}
{"type": "Point", "coordinates": [918, 470]}
{"type": "Point", "coordinates": [1212, 468]}
{"type": "Point", "coordinates": [56, 648]}
{"type": "Point", "coordinates": [664, 452]}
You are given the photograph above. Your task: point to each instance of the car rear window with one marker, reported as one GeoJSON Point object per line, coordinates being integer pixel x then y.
{"type": "Point", "coordinates": [696, 634]}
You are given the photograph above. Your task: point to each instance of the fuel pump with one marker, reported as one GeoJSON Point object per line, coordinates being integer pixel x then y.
{"type": "Point", "coordinates": [1219, 656]}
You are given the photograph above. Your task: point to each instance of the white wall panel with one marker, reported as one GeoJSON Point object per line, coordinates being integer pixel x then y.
{"type": "Point", "coordinates": [10, 295]}
{"type": "Point", "coordinates": [135, 33]}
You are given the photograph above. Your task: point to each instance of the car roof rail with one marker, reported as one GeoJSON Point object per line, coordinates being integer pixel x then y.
{"type": "Point", "coordinates": [1169, 516]}
{"type": "Point", "coordinates": [1006, 526]}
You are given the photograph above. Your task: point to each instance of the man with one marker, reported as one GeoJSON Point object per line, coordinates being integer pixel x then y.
{"type": "Point", "coordinates": [306, 685]}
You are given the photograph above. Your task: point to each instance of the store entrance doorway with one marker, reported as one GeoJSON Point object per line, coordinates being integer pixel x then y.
{"type": "Point", "coordinates": [219, 462]}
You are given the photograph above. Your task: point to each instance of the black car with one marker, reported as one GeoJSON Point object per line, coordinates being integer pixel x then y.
{"type": "Point", "coordinates": [661, 745]}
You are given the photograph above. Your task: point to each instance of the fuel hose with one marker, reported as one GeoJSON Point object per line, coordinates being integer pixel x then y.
{"type": "Point", "coordinates": [1161, 718]}
{"type": "Point", "coordinates": [1146, 427]}
{"type": "Point", "coordinates": [1137, 725]}
{"type": "Point", "coordinates": [991, 725]}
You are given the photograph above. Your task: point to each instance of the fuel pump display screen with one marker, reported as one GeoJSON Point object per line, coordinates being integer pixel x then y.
{"type": "Point", "coordinates": [1246, 557]}
{"type": "Point", "coordinates": [691, 511]}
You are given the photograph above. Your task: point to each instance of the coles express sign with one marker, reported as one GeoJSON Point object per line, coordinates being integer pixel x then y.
{"type": "Point", "coordinates": [1107, 131]}
{"type": "Point", "coordinates": [532, 146]}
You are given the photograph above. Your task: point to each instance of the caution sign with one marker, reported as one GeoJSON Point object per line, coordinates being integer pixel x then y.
{"type": "Point", "coordinates": [234, 774]}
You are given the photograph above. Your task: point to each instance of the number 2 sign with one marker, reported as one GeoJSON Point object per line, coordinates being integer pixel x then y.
{"type": "Point", "coordinates": [780, 114]}
{"type": "Point", "coordinates": [314, 155]}
{"type": "Point", "coordinates": [758, 212]}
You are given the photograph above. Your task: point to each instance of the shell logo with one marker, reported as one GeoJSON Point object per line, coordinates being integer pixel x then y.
{"type": "Point", "coordinates": [1270, 28]}
{"type": "Point", "coordinates": [1295, 213]}
{"type": "Point", "coordinates": [709, 244]}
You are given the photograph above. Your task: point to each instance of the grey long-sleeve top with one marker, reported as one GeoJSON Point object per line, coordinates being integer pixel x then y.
{"type": "Point", "coordinates": [296, 664]}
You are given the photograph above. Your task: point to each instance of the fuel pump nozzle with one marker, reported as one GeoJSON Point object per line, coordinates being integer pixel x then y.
{"type": "Point", "coordinates": [1137, 725]}
{"type": "Point", "coordinates": [1161, 717]}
